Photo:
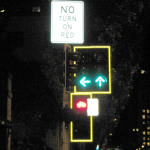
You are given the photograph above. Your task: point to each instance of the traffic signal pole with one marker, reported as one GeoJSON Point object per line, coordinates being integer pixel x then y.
{"type": "Point", "coordinates": [65, 131]}
{"type": "Point", "coordinates": [66, 103]}
{"type": "Point", "coordinates": [9, 99]}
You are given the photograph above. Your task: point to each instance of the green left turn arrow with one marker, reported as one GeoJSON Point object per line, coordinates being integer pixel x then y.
{"type": "Point", "coordinates": [84, 82]}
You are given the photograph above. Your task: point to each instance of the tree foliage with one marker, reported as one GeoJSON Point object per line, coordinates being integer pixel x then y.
{"type": "Point", "coordinates": [121, 26]}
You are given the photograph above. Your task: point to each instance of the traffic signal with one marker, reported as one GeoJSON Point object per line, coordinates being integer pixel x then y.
{"type": "Point", "coordinates": [80, 104]}
{"type": "Point", "coordinates": [93, 69]}
{"type": "Point", "coordinates": [71, 68]}
{"type": "Point", "coordinates": [81, 128]}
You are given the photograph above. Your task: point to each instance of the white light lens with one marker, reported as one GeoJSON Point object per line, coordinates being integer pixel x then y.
{"type": "Point", "coordinates": [92, 107]}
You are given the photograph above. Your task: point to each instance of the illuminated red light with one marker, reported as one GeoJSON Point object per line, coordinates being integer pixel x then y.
{"type": "Point", "coordinates": [81, 104]}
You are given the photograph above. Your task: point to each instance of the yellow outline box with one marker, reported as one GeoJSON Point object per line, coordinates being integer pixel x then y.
{"type": "Point", "coordinates": [71, 123]}
{"type": "Point", "coordinates": [109, 68]}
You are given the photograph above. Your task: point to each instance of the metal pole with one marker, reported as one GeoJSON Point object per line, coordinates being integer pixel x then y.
{"type": "Point", "coordinates": [65, 132]}
{"type": "Point", "coordinates": [9, 99]}
{"type": "Point", "coordinates": [66, 102]}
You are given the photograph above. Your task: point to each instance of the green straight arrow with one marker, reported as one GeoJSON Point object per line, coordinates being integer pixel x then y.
{"type": "Point", "coordinates": [100, 80]}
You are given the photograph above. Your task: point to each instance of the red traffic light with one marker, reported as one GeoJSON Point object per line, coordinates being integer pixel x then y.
{"type": "Point", "coordinates": [81, 104]}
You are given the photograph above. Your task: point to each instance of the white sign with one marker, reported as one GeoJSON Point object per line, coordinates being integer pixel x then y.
{"type": "Point", "coordinates": [67, 22]}
{"type": "Point", "coordinates": [92, 107]}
